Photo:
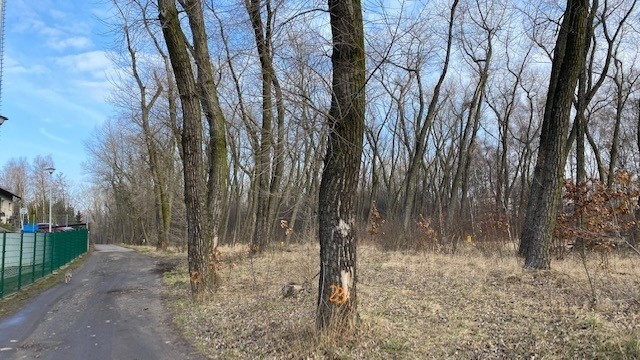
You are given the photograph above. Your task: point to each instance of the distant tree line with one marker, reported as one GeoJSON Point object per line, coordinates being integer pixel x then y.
{"type": "Point", "coordinates": [37, 189]}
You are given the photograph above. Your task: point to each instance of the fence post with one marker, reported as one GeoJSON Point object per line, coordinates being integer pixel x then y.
{"type": "Point", "coordinates": [46, 235]}
{"type": "Point", "coordinates": [4, 251]}
{"type": "Point", "coordinates": [69, 249]}
{"type": "Point", "coordinates": [20, 262]}
{"type": "Point", "coordinates": [55, 251]}
{"type": "Point", "coordinates": [33, 262]}
{"type": "Point", "coordinates": [44, 253]}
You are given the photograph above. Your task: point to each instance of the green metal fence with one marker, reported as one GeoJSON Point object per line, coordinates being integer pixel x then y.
{"type": "Point", "coordinates": [26, 257]}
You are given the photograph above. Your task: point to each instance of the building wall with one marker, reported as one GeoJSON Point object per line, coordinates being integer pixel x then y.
{"type": "Point", "coordinates": [6, 207]}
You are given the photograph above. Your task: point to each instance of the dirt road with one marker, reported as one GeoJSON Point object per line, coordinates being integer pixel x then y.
{"type": "Point", "coordinates": [111, 309]}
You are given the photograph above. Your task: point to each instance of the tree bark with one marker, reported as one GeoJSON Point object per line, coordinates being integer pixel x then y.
{"type": "Point", "coordinates": [339, 184]}
{"type": "Point", "coordinates": [217, 148]}
{"type": "Point", "coordinates": [263, 163]}
{"type": "Point", "coordinates": [544, 196]}
{"type": "Point", "coordinates": [199, 273]}
{"type": "Point", "coordinates": [584, 95]}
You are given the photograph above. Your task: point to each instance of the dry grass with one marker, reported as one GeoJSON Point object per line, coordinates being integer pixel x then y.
{"type": "Point", "coordinates": [418, 306]}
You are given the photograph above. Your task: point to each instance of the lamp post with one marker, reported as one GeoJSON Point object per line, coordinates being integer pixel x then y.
{"type": "Point", "coordinates": [50, 170]}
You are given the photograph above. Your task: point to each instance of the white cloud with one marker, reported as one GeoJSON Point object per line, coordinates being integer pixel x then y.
{"type": "Point", "coordinates": [73, 107]}
{"type": "Point", "coordinates": [59, 28]}
{"type": "Point", "coordinates": [75, 42]}
{"type": "Point", "coordinates": [26, 25]}
{"type": "Point", "coordinates": [50, 31]}
{"type": "Point", "coordinates": [99, 90]}
{"type": "Point", "coordinates": [13, 66]}
{"type": "Point", "coordinates": [55, 138]}
{"type": "Point", "coordinates": [94, 62]}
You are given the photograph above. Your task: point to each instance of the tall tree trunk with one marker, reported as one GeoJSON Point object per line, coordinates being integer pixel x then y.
{"type": "Point", "coordinates": [278, 167]}
{"type": "Point", "coordinates": [253, 138]}
{"type": "Point", "coordinates": [217, 148]}
{"type": "Point", "coordinates": [584, 96]}
{"type": "Point", "coordinates": [200, 274]}
{"type": "Point", "coordinates": [171, 94]}
{"type": "Point", "coordinates": [482, 57]}
{"type": "Point", "coordinates": [621, 99]}
{"type": "Point", "coordinates": [580, 124]}
{"type": "Point", "coordinates": [339, 185]}
{"type": "Point", "coordinates": [595, 150]}
{"type": "Point", "coordinates": [421, 136]}
{"type": "Point", "coordinates": [544, 195]}
{"type": "Point", "coordinates": [262, 229]}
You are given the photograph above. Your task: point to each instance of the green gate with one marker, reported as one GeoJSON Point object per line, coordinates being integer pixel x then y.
{"type": "Point", "coordinates": [26, 257]}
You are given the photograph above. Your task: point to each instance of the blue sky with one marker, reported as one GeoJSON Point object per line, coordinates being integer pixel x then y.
{"type": "Point", "coordinates": [55, 82]}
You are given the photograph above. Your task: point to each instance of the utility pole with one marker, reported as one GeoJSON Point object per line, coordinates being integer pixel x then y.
{"type": "Point", "coordinates": [2, 117]}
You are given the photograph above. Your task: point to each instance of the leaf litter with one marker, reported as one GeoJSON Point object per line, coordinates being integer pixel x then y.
{"type": "Point", "coordinates": [415, 306]}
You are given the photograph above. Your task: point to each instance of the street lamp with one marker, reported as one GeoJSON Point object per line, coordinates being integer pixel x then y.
{"type": "Point", "coordinates": [3, 119]}
{"type": "Point", "coordinates": [50, 170]}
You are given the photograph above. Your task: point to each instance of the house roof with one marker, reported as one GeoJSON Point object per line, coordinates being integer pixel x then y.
{"type": "Point", "coordinates": [7, 193]}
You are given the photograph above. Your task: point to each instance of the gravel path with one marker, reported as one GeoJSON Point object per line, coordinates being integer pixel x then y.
{"type": "Point", "coordinates": [111, 309]}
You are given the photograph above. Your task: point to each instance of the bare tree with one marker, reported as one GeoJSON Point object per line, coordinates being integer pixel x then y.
{"type": "Point", "coordinates": [624, 82]}
{"type": "Point", "coordinates": [200, 273]}
{"type": "Point", "coordinates": [503, 101]}
{"type": "Point", "coordinates": [14, 177]}
{"type": "Point", "coordinates": [217, 148]}
{"type": "Point", "coordinates": [118, 166]}
{"type": "Point", "coordinates": [337, 283]}
{"type": "Point", "coordinates": [587, 85]}
{"type": "Point", "coordinates": [544, 196]}
{"type": "Point", "coordinates": [485, 22]}
{"type": "Point", "coordinates": [421, 136]}
{"type": "Point", "coordinates": [268, 175]}
{"type": "Point", "coordinates": [147, 97]}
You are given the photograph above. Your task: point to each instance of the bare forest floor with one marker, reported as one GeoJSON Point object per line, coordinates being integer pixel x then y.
{"type": "Point", "coordinates": [417, 306]}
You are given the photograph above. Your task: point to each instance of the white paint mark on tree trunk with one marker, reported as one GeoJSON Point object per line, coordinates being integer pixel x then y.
{"type": "Point", "coordinates": [343, 228]}
{"type": "Point", "coordinates": [346, 281]}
